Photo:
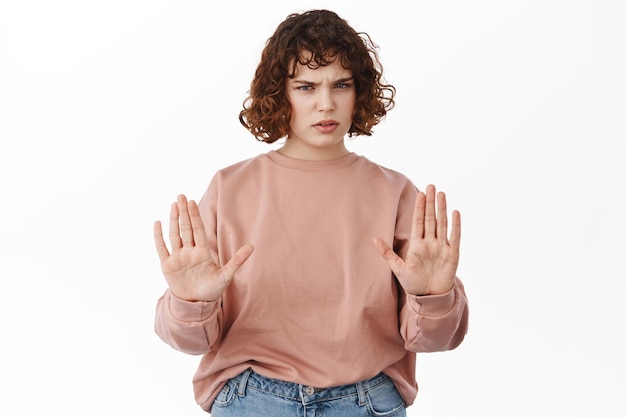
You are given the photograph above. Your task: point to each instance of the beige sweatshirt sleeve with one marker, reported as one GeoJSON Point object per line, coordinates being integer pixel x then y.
{"type": "Point", "coordinates": [191, 327]}
{"type": "Point", "coordinates": [435, 323]}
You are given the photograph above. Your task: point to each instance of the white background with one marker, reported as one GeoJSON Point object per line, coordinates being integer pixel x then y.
{"type": "Point", "coordinates": [109, 109]}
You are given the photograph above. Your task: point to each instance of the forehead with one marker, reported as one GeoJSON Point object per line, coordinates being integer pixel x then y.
{"type": "Point", "coordinates": [333, 70]}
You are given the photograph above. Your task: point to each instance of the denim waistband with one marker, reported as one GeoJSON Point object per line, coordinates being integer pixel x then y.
{"type": "Point", "coordinates": [294, 391]}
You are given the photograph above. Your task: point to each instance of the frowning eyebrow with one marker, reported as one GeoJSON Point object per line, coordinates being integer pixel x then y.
{"type": "Point", "coordinates": [339, 81]}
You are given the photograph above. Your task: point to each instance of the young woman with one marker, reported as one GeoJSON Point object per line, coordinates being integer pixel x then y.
{"type": "Point", "coordinates": [308, 277]}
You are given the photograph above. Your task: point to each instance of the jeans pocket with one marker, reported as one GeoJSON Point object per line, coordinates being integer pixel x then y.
{"type": "Point", "coordinates": [385, 400]}
{"type": "Point", "coordinates": [226, 394]}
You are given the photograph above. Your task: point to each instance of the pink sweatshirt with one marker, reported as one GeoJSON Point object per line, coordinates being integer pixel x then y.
{"type": "Point", "coordinates": [315, 303]}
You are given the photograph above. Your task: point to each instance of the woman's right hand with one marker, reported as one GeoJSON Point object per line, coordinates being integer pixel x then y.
{"type": "Point", "coordinates": [190, 271]}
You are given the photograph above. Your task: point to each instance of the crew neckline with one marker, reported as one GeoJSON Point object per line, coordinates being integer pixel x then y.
{"type": "Point", "coordinates": [306, 165]}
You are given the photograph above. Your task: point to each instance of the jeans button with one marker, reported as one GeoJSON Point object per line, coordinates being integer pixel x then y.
{"type": "Point", "coordinates": [309, 390]}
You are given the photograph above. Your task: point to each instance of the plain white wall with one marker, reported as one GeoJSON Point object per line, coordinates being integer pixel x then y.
{"type": "Point", "coordinates": [514, 108]}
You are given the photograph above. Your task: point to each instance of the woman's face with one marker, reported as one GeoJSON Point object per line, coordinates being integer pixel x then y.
{"type": "Point", "coordinates": [322, 102]}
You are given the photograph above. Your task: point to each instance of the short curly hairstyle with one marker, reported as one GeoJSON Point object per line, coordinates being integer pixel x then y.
{"type": "Point", "coordinates": [314, 38]}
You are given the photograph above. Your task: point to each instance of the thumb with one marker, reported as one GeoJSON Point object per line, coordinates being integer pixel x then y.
{"type": "Point", "coordinates": [230, 268]}
{"type": "Point", "coordinates": [395, 262]}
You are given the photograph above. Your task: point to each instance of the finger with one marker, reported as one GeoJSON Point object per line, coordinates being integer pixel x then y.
{"type": "Point", "coordinates": [199, 234]}
{"type": "Point", "coordinates": [417, 229]}
{"type": "Point", "coordinates": [455, 232]}
{"type": "Point", "coordinates": [395, 262]}
{"type": "Point", "coordinates": [159, 242]}
{"type": "Point", "coordinates": [186, 231]}
{"type": "Point", "coordinates": [430, 221]}
{"type": "Point", "coordinates": [442, 217]}
{"type": "Point", "coordinates": [197, 226]}
{"type": "Point", "coordinates": [229, 269]}
{"type": "Point", "coordinates": [174, 229]}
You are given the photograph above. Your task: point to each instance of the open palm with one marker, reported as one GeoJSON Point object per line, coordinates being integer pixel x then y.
{"type": "Point", "coordinates": [430, 264]}
{"type": "Point", "coordinates": [189, 269]}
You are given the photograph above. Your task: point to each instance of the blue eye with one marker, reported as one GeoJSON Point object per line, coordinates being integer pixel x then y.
{"type": "Point", "coordinates": [304, 87]}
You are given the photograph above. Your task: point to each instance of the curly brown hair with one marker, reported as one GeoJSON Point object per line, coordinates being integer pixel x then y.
{"type": "Point", "coordinates": [314, 38]}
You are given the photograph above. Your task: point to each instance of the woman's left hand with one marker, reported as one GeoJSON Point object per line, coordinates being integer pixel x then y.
{"type": "Point", "coordinates": [432, 258]}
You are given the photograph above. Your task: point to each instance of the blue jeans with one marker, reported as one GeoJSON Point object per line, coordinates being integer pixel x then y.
{"type": "Point", "coordinates": [252, 395]}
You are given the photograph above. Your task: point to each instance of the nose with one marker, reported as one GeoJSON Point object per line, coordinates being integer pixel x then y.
{"type": "Point", "coordinates": [325, 100]}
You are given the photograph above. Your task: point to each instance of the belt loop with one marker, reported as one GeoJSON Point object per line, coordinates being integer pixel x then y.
{"type": "Point", "coordinates": [243, 382]}
{"type": "Point", "coordinates": [360, 390]}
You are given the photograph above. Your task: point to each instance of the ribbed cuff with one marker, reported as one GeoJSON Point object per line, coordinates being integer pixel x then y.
{"type": "Point", "coordinates": [192, 311]}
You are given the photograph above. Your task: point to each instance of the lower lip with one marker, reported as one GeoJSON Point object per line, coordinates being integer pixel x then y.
{"type": "Point", "coordinates": [326, 128]}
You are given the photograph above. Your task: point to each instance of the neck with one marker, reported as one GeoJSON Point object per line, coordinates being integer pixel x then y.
{"type": "Point", "coordinates": [311, 153]}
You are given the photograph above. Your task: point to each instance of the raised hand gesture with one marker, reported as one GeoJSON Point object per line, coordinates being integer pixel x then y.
{"type": "Point", "coordinates": [431, 260]}
{"type": "Point", "coordinates": [190, 271]}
